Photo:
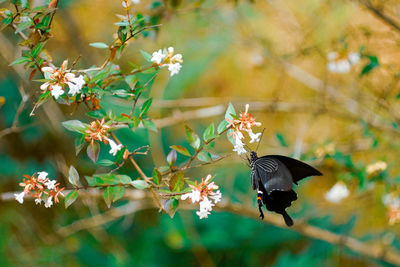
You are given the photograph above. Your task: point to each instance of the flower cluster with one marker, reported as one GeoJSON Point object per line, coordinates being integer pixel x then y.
{"type": "Point", "coordinates": [341, 63]}
{"type": "Point", "coordinates": [338, 192]}
{"type": "Point", "coordinates": [98, 131]}
{"type": "Point", "coordinates": [244, 122]}
{"type": "Point", "coordinates": [128, 3]}
{"type": "Point", "coordinates": [167, 58]}
{"type": "Point", "coordinates": [41, 188]}
{"type": "Point", "coordinates": [59, 78]}
{"type": "Point", "coordinates": [324, 150]}
{"type": "Point", "coordinates": [392, 202]}
{"type": "Point", "coordinates": [205, 195]}
{"type": "Point", "coordinates": [376, 168]}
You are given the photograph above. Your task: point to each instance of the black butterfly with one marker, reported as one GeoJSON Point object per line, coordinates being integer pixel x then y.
{"type": "Point", "coordinates": [273, 177]}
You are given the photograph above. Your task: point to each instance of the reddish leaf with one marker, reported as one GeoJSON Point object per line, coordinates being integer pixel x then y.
{"type": "Point", "coordinates": [93, 151]}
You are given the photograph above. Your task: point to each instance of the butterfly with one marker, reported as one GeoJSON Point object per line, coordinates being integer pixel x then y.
{"type": "Point", "coordinates": [273, 177]}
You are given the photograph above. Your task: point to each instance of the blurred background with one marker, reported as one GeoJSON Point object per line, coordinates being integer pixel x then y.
{"type": "Point", "coordinates": [273, 55]}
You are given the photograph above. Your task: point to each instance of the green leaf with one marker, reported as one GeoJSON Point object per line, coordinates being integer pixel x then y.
{"type": "Point", "coordinates": [99, 45]}
{"type": "Point", "coordinates": [97, 114]}
{"type": "Point", "coordinates": [229, 112]}
{"type": "Point", "coordinates": [117, 192]}
{"type": "Point", "coordinates": [79, 144]}
{"type": "Point", "coordinates": [192, 138]}
{"type": "Point", "coordinates": [170, 206]}
{"type": "Point", "coordinates": [43, 98]}
{"type": "Point", "coordinates": [73, 176]}
{"type": "Point", "coordinates": [70, 198]}
{"type": "Point", "coordinates": [281, 139]}
{"type": "Point", "coordinates": [36, 50]}
{"type": "Point", "coordinates": [146, 56]}
{"type": "Point", "coordinates": [373, 63]}
{"type": "Point", "coordinates": [105, 162]}
{"type": "Point", "coordinates": [149, 125]}
{"type": "Point", "coordinates": [122, 33]}
{"type": "Point", "coordinates": [146, 106]}
{"type": "Point", "coordinates": [171, 158]}
{"type": "Point", "coordinates": [75, 126]}
{"type": "Point", "coordinates": [93, 151]}
{"type": "Point", "coordinates": [204, 156]}
{"type": "Point", "coordinates": [108, 197]}
{"type": "Point", "coordinates": [209, 133]}
{"type": "Point", "coordinates": [181, 150]}
{"type": "Point", "coordinates": [20, 61]}
{"type": "Point", "coordinates": [24, 25]}
{"type": "Point", "coordinates": [222, 126]}
{"type": "Point", "coordinates": [139, 184]}
{"type": "Point", "coordinates": [157, 177]}
{"type": "Point", "coordinates": [177, 181]}
{"type": "Point", "coordinates": [123, 179]}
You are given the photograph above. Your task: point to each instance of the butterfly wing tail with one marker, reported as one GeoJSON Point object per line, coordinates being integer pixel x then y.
{"type": "Point", "coordinates": [287, 218]}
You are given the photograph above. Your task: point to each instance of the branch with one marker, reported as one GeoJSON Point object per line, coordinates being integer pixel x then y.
{"type": "Point", "coordinates": [378, 13]}
{"type": "Point", "coordinates": [141, 173]}
{"type": "Point", "coordinates": [373, 251]}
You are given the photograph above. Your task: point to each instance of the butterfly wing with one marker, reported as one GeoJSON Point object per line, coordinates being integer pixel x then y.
{"type": "Point", "coordinates": [272, 174]}
{"type": "Point", "coordinates": [298, 169]}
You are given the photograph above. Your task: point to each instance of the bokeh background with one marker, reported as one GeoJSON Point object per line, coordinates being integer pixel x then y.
{"type": "Point", "coordinates": [270, 54]}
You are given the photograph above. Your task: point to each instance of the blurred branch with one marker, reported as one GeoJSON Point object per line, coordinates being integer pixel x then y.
{"type": "Point", "coordinates": [374, 251]}
{"type": "Point", "coordinates": [14, 127]}
{"type": "Point", "coordinates": [352, 106]}
{"type": "Point", "coordinates": [380, 14]}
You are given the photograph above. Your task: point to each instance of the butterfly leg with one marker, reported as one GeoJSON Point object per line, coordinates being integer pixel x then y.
{"type": "Point", "coordinates": [260, 205]}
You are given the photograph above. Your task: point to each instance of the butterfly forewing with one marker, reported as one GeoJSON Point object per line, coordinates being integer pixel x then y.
{"type": "Point", "coordinates": [273, 174]}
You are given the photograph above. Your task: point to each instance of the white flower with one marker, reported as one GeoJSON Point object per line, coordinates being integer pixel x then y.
{"type": "Point", "coordinates": [174, 68]}
{"type": "Point", "coordinates": [44, 86]}
{"type": "Point", "coordinates": [203, 214]}
{"type": "Point", "coordinates": [239, 149]}
{"type": "Point", "coordinates": [114, 147]}
{"type": "Point", "coordinates": [127, 3]}
{"type": "Point", "coordinates": [206, 204]}
{"type": "Point", "coordinates": [50, 184]}
{"type": "Point", "coordinates": [239, 145]}
{"type": "Point", "coordinates": [75, 85]}
{"type": "Point", "coordinates": [376, 167]}
{"type": "Point", "coordinates": [343, 66]}
{"type": "Point", "coordinates": [158, 56]}
{"type": "Point", "coordinates": [216, 197]}
{"type": "Point", "coordinates": [38, 201]}
{"type": "Point", "coordinates": [56, 91]}
{"type": "Point", "coordinates": [338, 192]}
{"type": "Point", "coordinates": [339, 64]}
{"type": "Point", "coordinates": [254, 137]}
{"type": "Point", "coordinates": [194, 196]}
{"type": "Point", "coordinates": [354, 57]}
{"type": "Point", "coordinates": [391, 200]}
{"type": "Point", "coordinates": [20, 197]}
{"type": "Point", "coordinates": [48, 202]}
{"type": "Point", "coordinates": [177, 58]}
{"type": "Point", "coordinates": [42, 176]}
{"type": "Point", "coordinates": [332, 55]}
{"type": "Point", "coordinates": [48, 69]}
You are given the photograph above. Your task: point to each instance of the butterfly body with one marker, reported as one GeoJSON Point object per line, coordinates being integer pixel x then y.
{"type": "Point", "coordinates": [273, 177]}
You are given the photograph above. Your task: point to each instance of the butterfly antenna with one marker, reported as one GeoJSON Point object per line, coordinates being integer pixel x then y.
{"type": "Point", "coordinates": [260, 139]}
{"type": "Point", "coordinates": [247, 148]}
